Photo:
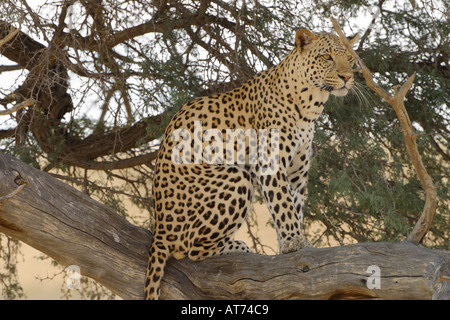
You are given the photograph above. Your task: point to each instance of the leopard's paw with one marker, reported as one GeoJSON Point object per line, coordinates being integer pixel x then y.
{"type": "Point", "coordinates": [296, 243]}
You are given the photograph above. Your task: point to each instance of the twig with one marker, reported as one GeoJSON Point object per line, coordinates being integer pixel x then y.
{"type": "Point", "coordinates": [397, 102]}
{"type": "Point", "coordinates": [5, 198]}
{"type": "Point", "coordinates": [10, 35]}
{"type": "Point", "coordinates": [17, 107]}
{"type": "Point", "coordinates": [10, 68]}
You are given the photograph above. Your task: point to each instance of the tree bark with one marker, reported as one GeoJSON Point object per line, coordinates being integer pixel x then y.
{"type": "Point", "coordinates": [74, 229]}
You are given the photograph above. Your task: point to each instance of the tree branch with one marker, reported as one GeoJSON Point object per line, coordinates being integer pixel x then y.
{"type": "Point", "coordinates": [52, 102]}
{"type": "Point", "coordinates": [117, 164]}
{"type": "Point", "coordinates": [75, 230]}
{"type": "Point", "coordinates": [21, 48]}
{"type": "Point", "coordinates": [10, 68]}
{"type": "Point", "coordinates": [17, 107]}
{"type": "Point", "coordinates": [10, 35]}
{"type": "Point", "coordinates": [154, 25]}
{"type": "Point", "coordinates": [397, 102]}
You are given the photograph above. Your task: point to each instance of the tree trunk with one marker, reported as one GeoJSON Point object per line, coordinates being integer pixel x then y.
{"type": "Point", "coordinates": [73, 229]}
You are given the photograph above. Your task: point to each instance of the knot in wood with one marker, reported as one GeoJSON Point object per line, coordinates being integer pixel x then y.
{"type": "Point", "coordinates": [304, 268]}
{"type": "Point", "coordinates": [18, 179]}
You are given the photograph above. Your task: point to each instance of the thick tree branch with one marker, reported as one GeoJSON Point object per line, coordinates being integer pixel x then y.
{"type": "Point", "coordinates": [76, 230]}
{"type": "Point", "coordinates": [20, 48]}
{"type": "Point", "coordinates": [157, 25]}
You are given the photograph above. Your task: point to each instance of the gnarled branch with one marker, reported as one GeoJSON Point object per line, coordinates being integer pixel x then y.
{"type": "Point", "coordinates": [397, 102]}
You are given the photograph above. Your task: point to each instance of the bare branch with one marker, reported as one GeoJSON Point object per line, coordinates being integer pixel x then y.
{"type": "Point", "coordinates": [17, 107]}
{"type": "Point", "coordinates": [114, 165]}
{"type": "Point", "coordinates": [7, 133]}
{"type": "Point", "coordinates": [13, 193]}
{"type": "Point", "coordinates": [10, 68]}
{"type": "Point", "coordinates": [11, 35]}
{"type": "Point", "coordinates": [154, 25]}
{"type": "Point", "coordinates": [397, 102]}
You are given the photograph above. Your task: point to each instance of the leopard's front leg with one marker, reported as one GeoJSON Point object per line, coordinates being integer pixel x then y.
{"type": "Point", "coordinates": [280, 201]}
{"type": "Point", "coordinates": [297, 175]}
{"type": "Point", "coordinates": [284, 190]}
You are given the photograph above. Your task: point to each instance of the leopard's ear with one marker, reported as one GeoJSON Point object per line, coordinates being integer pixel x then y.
{"type": "Point", "coordinates": [353, 39]}
{"type": "Point", "coordinates": [304, 37]}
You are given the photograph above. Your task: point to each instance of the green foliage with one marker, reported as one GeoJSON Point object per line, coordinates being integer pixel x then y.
{"type": "Point", "coordinates": [28, 154]}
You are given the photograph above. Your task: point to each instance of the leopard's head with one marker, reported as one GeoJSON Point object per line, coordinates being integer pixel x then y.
{"type": "Point", "coordinates": [326, 63]}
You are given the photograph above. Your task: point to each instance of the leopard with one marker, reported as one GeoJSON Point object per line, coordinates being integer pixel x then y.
{"type": "Point", "coordinates": [201, 200]}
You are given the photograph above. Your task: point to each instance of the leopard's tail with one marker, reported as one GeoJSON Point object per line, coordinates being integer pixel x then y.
{"type": "Point", "coordinates": [159, 255]}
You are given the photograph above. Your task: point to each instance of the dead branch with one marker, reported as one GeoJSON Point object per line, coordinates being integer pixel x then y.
{"type": "Point", "coordinates": [17, 107]}
{"type": "Point", "coordinates": [21, 184]}
{"type": "Point", "coordinates": [397, 102]}
{"type": "Point", "coordinates": [11, 35]}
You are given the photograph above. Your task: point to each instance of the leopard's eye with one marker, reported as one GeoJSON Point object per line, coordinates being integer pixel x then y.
{"type": "Point", "coordinates": [327, 57]}
{"type": "Point", "coordinates": [349, 57]}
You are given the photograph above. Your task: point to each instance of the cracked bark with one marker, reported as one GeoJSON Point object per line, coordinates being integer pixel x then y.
{"type": "Point", "coordinates": [76, 230]}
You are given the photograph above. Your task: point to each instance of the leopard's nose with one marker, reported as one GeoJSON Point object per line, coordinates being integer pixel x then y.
{"type": "Point", "coordinates": [344, 77]}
